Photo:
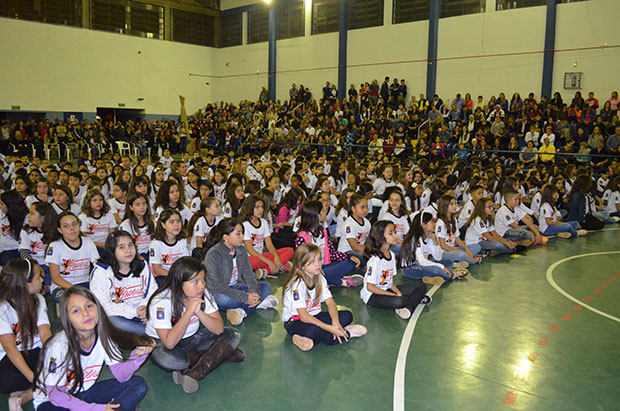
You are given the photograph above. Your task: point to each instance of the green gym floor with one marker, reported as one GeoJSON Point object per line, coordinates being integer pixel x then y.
{"type": "Point", "coordinates": [505, 338]}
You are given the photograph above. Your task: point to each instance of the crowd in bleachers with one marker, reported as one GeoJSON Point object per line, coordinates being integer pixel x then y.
{"type": "Point", "coordinates": [336, 193]}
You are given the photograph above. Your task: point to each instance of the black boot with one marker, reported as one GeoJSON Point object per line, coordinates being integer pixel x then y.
{"type": "Point", "coordinates": [238, 356]}
{"type": "Point", "coordinates": [210, 359]}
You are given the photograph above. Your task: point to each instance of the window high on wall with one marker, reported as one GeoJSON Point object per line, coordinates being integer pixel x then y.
{"type": "Point", "coordinates": [193, 28]}
{"type": "Point", "coordinates": [258, 25]}
{"type": "Point", "coordinates": [451, 8]}
{"type": "Point", "coordinates": [230, 30]}
{"type": "Point", "coordinates": [291, 20]}
{"type": "Point", "coordinates": [405, 11]}
{"type": "Point", "coordinates": [518, 4]}
{"type": "Point", "coordinates": [64, 12]}
{"type": "Point", "coordinates": [365, 13]}
{"type": "Point", "coordinates": [325, 16]}
{"type": "Point", "coordinates": [128, 17]}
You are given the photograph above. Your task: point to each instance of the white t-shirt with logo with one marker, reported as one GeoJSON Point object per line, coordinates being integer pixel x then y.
{"type": "Point", "coordinates": [160, 314]}
{"type": "Point", "coordinates": [353, 229]}
{"type": "Point", "coordinates": [31, 240]}
{"type": "Point", "coordinates": [166, 254]}
{"type": "Point", "coordinates": [612, 202]}
{"type": "Point", "coordinates": [256, 235]}
{"type": "Point", "coordinates": [97, 229]}
{"type": "Point", "coordinates": [74, 208]}
{"type": "Point", "coordinates": [73, 263]}
{"type": "Point", "coordinates": [58, 373]}
{"type": "Point", "coordinates": [9, 324]}
{"type": "Point", "coordinates": [401, 224]}
{"type": "Point", "coordinates": [380, 272]}
{"type": "Point", "coordinates": [186, 213]}
{"type": "Point", "coordinates": [202, 228]}
{"type": "Point", "coordinates": [7, 241]}
{"type": "Point", "coordinates": [476, 230]}
{"type": "Point", "coordinates": [234, 276]}
{"type": "Point", "coordinates": [547, 211]}
{"type": "Point", "coordinates": [122, 297]}
{"type": "Point", "coordinates": [117, 207]}
{"type": "Point", "coordinates": [142, 237]}
{"type": "Point", "coordinates": [441, 231]}
{"type": "Point", "coordinates": [466, 212]}
{"type": "Point", "coordinates": [503, 218]}
{"type": "Point", "coordinates": [298, 295]}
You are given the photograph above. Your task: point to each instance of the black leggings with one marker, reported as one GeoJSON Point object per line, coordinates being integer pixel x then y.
{"type": "Point", "coordinates": [316, 333]}
{"type": "Point", "coordinates": [11, 379]}
{"type": "Point", "coordinates": [412, 295]}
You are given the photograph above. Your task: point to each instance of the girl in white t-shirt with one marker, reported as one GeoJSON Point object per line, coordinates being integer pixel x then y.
{"type": "Point", "coordinates": [302, 296]}
{"type": "Point", "coordinates": [342, 210]}
{"type": "Point", "coordinates": [205, 190]}
{"type": "Point", "coordinates": [96, 218]}
{"type": "Point", "coordinates": [203, 222]}
{"type": "Point", "coordinates": [123, 283]}
{"type": "Point", "coordinates": [69, 256]}
{"type": "Point", "coordinates": [219, 184]}
{"type": "Point", "coordinates": [63, 201]}
{"type": "Point", "coordinates": [384, 181]}
{"type": "Point", "coordinates": [397, 214]}
{"type": "Point", "coordinates": [379, 289]}
{"type": "Point", "coordinates": [24, 326]}
{"type": "Point", "coordinates": [481, 230]}
{"type": "Point", "coordinates": [138, 222]}
{"type": "Point", "coordinates": [419, 246]}
{"type": "Point", "coordinates": [119, 200]}
{"type": "Point", "coordinates": [41, 193]}
{"type": "Point", "coordinates": [175, 313]}
{"type": "Point", "coordinates": [234, 198]}
{"type": "Point", "coordinates": [257, 237]}
{"type": "Point", "coordinates": [169, 196]}
{"type": "Point", "coordinates": [611, 198]}
{"type": "Point", "coordinates": [191, 188]}
{"type": "Point", "coordinates": [356, 229]}
{"type": "Point", "coordinates": [37, 234]}
{"type": "Point", "coordinates": [447, 232]}
{"type": "Point", "coordinates": [550, 221]}
{"type": "Point", "coordinates": [13, 212]}
{"type": "Point", "coordinates": [168, 243]}
{"type": "Point", "coordinates": [72, 360]}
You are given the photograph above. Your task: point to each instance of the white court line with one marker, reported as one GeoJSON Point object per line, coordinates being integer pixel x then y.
{"type": "Point", "coordinates": [401, 361]}
{"type": "Point", "coordinates": [570, 297]}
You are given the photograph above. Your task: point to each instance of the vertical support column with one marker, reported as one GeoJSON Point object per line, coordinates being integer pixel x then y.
{"type": "Point", "coordinates": [307, 18]}
{"type": "Point", "coordinates": [388, 12]}
{"type": "Point", "coordinates": [343, 28]}
{"type": "Point", "coordinates": [431, 69]}
{"type": "Point", "coordinates": [547, 74]}
{"type": "Point", "coordinates": [273, 32]}
{"type": "Point", "coordinates": [86, 14]}
{"type": "Point", "coordinates": [168, 23]}
{"type": "Point", "coordinates": [244, 28]}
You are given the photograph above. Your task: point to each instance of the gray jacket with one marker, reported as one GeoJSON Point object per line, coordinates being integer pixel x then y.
{"type": "Point", "coordinates": [219, 263]}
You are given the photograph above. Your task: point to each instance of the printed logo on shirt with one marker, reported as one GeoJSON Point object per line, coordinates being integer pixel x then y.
{"type": "Point", "coordinates": [50, 251]}
{"type": "Point", "coordinates": [97, 228]}
{"type": "Point", "coordinates": [5, 229]}
{"type": "Point", "coordinates": [160, 313]}
{"type": "Point", "coordinates": [152, 252]}
{"type": "Point", "coordinates": [296, 295]}
{"type": "Point", "coordinates": [348, 230]}
{"type": "Point", "coordinates": [51, 368]}
{"type": "Point", "coordinates": [312, 308]}
{"type": "Point", "coordinates": [70, 379]}
{"type": "Point", "coordinates": [369, 271]}
{"type": "Point", "coordinates": [37, 247]}
{"type": "Point", "coordinates": [386, 276]}
{"type": "Point", "coordinates": [92, 373]}
{"type": "Point", "coordinates": [17, 332]}
{"type": "Point", "coordinates": [121, 294]}
{"type": "Point", "coordinates": [507, 217]}
{"type": "Point", "coordinates": [74, 265]}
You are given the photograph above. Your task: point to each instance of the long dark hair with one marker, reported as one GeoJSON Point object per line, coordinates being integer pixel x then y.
{"type": "Point", "coordinates": [182, 270]}
{"type": "Point", "coordinates": [163, 195]}
{"type": "Point", "coordinates": [131, 216]}
{"type": "Point", "coordinates": [310, 213]}
{"type": "Point", "coordinates": [231, 198]}
{"type": "Point", "coordinates": [247, 209]}
{"type": "Point", "coordinates": [442, 212]}
{"type": "Point", "coordinates": [86, 207]}
{"type": "Point", "coordinates": [582, 184]}
{"type": "Point", "coordinates": [226, 226]}
{"type": "Point", "coordinates": [291, 199]}
{"type": "Point", "coordinates": [548, 191]}
{"type": "Point", "coordinates": [160, 231]}
{"type": "Point", "coordinates": [109, 257]}
{"type": "Point", "coordinates": [17, 212]}
{"type": "Point", "coordinates": [110, 337]}
{"type": "Point", "coordinates": [14, 280]}
{"type": "Point", "coordinates": [45, 210]}
{"type": "Point", "coordinates": [413, 238]}
{"type": "Point", "coordinates": [204, 204]}
{"type": "Point", "coordinates": [376, 239]}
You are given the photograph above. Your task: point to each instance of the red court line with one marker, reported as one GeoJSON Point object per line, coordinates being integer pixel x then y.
{"type": "Point", "coordinates": [577, 308]}
{"type": "Point", "coordinates": [597, 291]}
{"type": "Point", "coordinates": [533, 356]}
{"type": "Point", "coordinates": [554, 328]}
{"type": "Point", "coordinates": [605, 285]}
{"type": "Point", "coordinates": [612, 278]}
{"type": "Point", "coordinates": [567, 317]}
{"type": "Point", "coordinates": [543, 341]}
{"type": "Point", "coordinates": [510, 399]}
{"type": "Point", "coordinates": [587, 299]}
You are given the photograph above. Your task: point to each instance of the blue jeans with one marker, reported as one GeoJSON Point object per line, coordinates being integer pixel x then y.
{"type": "Point", "coordinates": [358, 255]}
{"type": "Point", "coordinates": [135, 325]}
{"type": "Point", "coordinates": [494, 245]}
{"type": "Point", "coordinates": [57, 293]}
{"type": "Point", "coordinates": [128, 394]}
{"type": "Point", "coordinates": [566, 227]}
{"type": "Point", "coordinates": [417, 271]}
{"type": "Point", "coordinates": [47, 277]}
{"type": "Point", "coordinates": [335, 271]}
{"type": "Point", "coordinates": [314, 332]}
{"type": "Point", "coordinates": [518, 234]}
{"type": "Point", "coordinates": [460, 255]}
{"type": "Point", "coordinates": [226, 302]}
{"type": "Point", "coordinates": [7, 256]}
{"type": "Point", "coordinates": [601, 215]}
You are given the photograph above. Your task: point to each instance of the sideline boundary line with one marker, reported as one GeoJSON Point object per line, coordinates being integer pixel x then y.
{"type": "Point", "coordinates": [401, 361]}
{"type": "Point", "coordinates": [570, 297]}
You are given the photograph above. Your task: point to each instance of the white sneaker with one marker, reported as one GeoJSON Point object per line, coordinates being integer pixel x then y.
{"type": "Point", "coordinates": [356, 330]}
{"type": "Point", "coordinates": [582, 232]}
{"type": "Point", "coordinates": [269, 302]}
{"type": "Point", "coordinates": [460, 264]}
{"type": "Point", "coordinates": [235, 315]}
{"type": "Point", "coordinates": [564, 235]}
{"type": "Point", "coordinates": [403, 313]}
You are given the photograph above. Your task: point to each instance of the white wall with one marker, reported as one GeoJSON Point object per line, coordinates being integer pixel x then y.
{"type": "Point", "coordinates": [47, 67]}
{"type": "Point", "coordinates": [69, 69]}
